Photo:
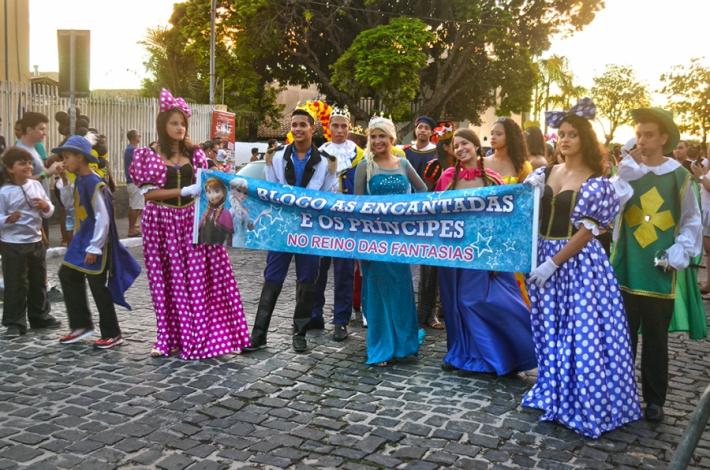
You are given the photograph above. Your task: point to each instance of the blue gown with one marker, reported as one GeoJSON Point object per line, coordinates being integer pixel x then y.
{"type": "Point", "coordinates": [388, 294]}
{"type": "Point", "coordinates": [586, 378]}
{"type": "Point", "coordinates": [487, 322]}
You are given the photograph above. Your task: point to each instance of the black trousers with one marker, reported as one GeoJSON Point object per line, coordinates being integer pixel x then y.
{"type": "Point", "coordinates": [74, 289]}
{"type": "Point", "coordinates": [652, 316]}
{"type": "Point", "coordinates": [428, 295]}
{"type": "Point", "coordinates": [24, 269]}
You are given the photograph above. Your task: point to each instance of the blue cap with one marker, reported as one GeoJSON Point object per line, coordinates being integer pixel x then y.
{"type": "Point", "coordinates": [78, 144]}
{"type": "Point", "coordinates": [426, 120]}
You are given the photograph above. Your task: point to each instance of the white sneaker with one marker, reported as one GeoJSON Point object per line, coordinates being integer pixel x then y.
{"type": "Point", "coordinates": [76, 336]}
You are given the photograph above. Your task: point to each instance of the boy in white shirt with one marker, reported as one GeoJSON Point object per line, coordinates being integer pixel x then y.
{"type": "Point", "coordinates": [23, 205]}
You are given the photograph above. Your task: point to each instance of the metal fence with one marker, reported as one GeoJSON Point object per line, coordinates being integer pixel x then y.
{"type": "Point", "coordinates": [112, 116]}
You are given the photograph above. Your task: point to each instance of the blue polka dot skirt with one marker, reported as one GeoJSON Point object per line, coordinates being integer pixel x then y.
{"type": "Point", "coordinates": [586, 375]}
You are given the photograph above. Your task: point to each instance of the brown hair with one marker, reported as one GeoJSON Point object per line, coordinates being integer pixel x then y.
{"type": "Point", "coordinates": [216, 183]}
{"type": "Point", "coordinates": [11, 156]}
{"type": "Point", "coordinates": [471, 136]}
{"type": "Point", "coordinates": [591, 150]}
{"type": "Point", "coordinates": [165, 141]}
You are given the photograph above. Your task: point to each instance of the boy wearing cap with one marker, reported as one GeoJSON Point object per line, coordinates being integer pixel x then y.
{"type": "Point", "coordinates": [657, 234]}
{"type": "Point", "coordinates": [421, 151]}
{"type": "Point", "coordinates": [94, 252]}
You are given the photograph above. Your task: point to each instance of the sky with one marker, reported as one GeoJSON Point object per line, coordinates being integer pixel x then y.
{"type": "Point", "coordinates": [649, 35]}
{"type": "Point", "coordinates": [116, 28]}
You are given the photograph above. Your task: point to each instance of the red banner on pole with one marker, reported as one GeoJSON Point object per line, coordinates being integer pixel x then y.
{"type": "Point", "coordinates": [223, 125]}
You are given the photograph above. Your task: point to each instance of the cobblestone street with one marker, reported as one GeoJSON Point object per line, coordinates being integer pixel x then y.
{"type": "Point", "coordinates": [73, 407]}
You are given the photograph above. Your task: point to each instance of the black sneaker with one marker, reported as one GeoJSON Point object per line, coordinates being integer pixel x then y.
{"type": "Point", "coordinates": [256, 344]}
{"type": "Point", "coordinates": [316, 323]}
{"type": "Point", "coordinates": [653, 413]}
{"type": "Point", "coordinates": [13, 332]}
{"type": "Point", "coordinates": [54, 295]}
{"type": "Point", "coordinates": [51, 324]}
{"type": "Point", "coordinates": [446, 367]}
{"type": "Point", "coordinates": [299, 343]}
{"type": "Point", "coordinates": [340, 333]}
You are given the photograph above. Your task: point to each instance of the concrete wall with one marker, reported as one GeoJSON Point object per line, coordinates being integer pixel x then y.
{"type": "Point", "coordinates": [15, 40]}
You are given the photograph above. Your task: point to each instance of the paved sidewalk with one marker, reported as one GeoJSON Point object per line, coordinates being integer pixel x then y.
{"type": "Point", "coordinates": [72, 407]}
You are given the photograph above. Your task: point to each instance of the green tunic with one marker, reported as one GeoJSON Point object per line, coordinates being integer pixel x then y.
{"type": "Point", "coordinates": [689, 311]}
{"type": "Point", "coordinates": [648, 228]}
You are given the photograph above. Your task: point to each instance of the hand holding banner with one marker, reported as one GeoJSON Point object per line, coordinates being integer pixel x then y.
{"type": "Point", "coordinates": [492, 228]}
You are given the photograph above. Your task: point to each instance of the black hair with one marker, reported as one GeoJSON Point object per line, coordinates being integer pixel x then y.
{"type": "Point", "coordinates": [514, 143]}
{"type": "Point", "coordinates": [591, 150]}
{"type": "Point", "coordinates": [255, 150]}
{"type": "Point", "coordinates": [535, 141]}
{"type": "Point", "coordinates": [303, 112]}
{"type": "Point", "coordinates": [11, 156]}
{"type": "Point", "coordinates": [442, 155]}
{"type": "Point", "coordinates": [272, 142]}
{"type": "Point", "coordinates": [32, 119]}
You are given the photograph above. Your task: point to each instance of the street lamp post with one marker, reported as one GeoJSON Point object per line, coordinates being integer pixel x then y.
{"type": "Point", "coordinates": [213, 9]}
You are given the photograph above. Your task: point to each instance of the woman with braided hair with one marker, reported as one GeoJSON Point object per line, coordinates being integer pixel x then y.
{"type": "Point", "coordinates": [487, 322]}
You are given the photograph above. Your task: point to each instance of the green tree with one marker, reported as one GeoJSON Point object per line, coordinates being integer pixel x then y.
{"type": "Point", "coordinates": [616, 92]}
{"type": "Point", "coordinates": [553, 87]}
{"type": "Point", "coordinates": [169, 65]}
{"type": "Point", "coordinates": [688, 90]}
{"type": "Point", "coordinates": [368, 67]}
{"type": "Point", "coordinates": [179, 60]}
{"type": "Point", "coordinates": [548, 72]}
{"type": "Point", "coordinates": [480, 53]}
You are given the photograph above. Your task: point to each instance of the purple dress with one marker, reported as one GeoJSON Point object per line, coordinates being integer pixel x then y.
{"type": "Point", "coordinates": [586, 375]}
{"type": "Point", "coordinates": [197, 304]}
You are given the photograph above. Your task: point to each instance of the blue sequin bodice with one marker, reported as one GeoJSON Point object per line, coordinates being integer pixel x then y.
{"type": "Point", "coordinates": [384, 183]}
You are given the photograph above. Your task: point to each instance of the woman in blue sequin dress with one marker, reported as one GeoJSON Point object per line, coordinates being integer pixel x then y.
{"type": "Point", "coordinates": [586, 375]}
{"type": "Point", "coordinates": [387, 291]}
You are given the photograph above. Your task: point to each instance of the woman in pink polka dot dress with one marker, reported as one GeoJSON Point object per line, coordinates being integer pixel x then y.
{"type": "Point", "coordinates": [198, 308]}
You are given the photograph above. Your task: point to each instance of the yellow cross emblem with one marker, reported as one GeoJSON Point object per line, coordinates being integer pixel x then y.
{"type": "Point", "coordinates": [648, 218]}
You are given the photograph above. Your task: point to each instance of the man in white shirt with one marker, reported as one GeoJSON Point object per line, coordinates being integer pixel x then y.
{"type": "Point", "coordinates": [658, 232]}
{"type": "Point", "coordinates": [298, 164]}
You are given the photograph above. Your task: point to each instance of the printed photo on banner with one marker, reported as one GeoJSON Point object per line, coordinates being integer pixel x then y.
{"type": "Point", "coordinates": [492, 228]}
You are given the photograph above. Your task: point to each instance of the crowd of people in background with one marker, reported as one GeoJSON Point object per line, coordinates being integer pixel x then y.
{"type": "Point", "coordinates": [575, 317]}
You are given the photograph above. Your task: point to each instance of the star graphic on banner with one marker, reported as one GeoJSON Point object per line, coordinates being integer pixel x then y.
{"type": "Point", "coordinates": [493, 262]}
{"type": "Point", "coordinates": [257, 231]}
{"type": "Point", "coordinates": [484, 247]}
{"type": "Point", "coordinates": [276, 215]}
{"type": "Point", "coordinates": [509, 245]}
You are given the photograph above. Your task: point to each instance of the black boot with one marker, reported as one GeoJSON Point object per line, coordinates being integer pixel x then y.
{"type": "Point", "coordinates": [269, 294]}
{"type": "Point", "coordinates": [426, 295]}
{"type": "Point", "coordinates": [305, 296]}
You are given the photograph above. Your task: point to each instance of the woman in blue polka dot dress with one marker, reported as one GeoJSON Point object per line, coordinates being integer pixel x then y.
{"type": "Point", "coordinates": [586, 375]}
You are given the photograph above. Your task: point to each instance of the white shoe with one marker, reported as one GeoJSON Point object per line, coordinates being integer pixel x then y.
{"type": "Point", "coordinates": [76, 336]}
{"type": "Point", "coordinates": [364, 320]}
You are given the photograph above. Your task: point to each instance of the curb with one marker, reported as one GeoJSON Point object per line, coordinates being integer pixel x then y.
{"type": "Point", "coordinates": [58, 251]}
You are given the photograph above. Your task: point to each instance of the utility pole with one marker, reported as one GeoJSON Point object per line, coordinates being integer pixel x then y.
{"type": "Point", "coordinates": [213, 11]}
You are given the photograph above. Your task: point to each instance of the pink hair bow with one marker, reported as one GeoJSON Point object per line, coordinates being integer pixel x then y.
{"type": "Point", "coordinates": [168, 102]}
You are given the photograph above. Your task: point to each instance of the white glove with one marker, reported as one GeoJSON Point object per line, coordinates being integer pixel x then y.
{"type": "Point", "coordinates": [677, 257]}
{"type": "Point", "coordinates": [191, 191]}
{"type": "Point", "coordinates": [332, 166]}
{"type": "Point", "coordinates": [536, 180]}
{"type": "Point", "coordinates": [543, 272]}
